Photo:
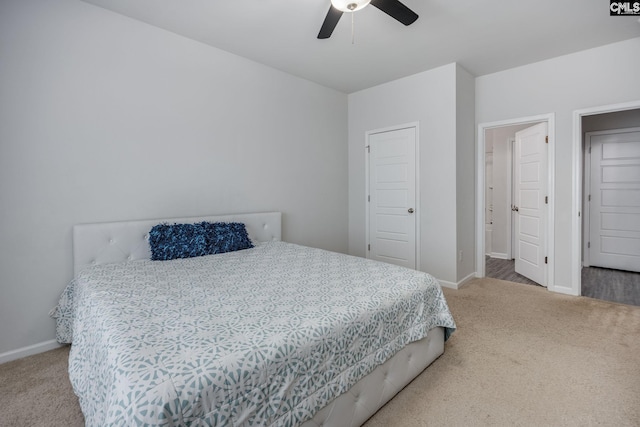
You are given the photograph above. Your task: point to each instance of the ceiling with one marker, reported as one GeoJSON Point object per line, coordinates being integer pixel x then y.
{"type": "Point", "coordinates": [483, 36]}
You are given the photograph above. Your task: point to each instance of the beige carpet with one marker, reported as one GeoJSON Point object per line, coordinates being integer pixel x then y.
{"type": "Point", "coordinates": [35, 392]}
{"type": "Point", "coordinates": [522, 356]}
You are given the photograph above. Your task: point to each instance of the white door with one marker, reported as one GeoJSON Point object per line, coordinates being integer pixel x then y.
{"type": "Point", "coordinates": [614, 208]}
{"type": "Point", "coordinates": [392, 197]}
{"type": "Point", "coordinates": [488, 204]}
{"type": "Point", "coordinates": [530, 202]}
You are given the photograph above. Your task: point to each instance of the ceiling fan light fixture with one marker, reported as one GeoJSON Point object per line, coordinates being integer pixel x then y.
{"type": "Point", "coordinates": [349, 5]}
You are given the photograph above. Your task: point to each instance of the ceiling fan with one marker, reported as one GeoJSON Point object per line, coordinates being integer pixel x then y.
{"type": "Point", "coordinates": [393, 8]}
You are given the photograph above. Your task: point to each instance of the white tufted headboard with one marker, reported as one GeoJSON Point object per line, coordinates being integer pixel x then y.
{"type": "Point", "coordinates": [107, 242]}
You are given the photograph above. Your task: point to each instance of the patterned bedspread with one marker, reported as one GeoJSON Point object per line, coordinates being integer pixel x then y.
{"type": "Point", "coordinates": [263, 336]}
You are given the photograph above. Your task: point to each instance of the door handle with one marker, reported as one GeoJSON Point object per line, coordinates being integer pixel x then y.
{"type": "Point", "coordinates": [514, 208]}
{"type": "Point", "coordinates": [410, 210]}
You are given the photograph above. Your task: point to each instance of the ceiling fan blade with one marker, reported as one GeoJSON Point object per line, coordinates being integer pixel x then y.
{"type": "Point", "coordinates": [396, 10]}
{"type": "Point", "coordinates": [330, 22]}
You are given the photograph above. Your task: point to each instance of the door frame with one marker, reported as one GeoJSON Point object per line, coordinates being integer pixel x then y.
{"type": "Point", "coordinates": [414, 125]}
{"type": "Point", "coordinates": [480, 200]}
{"type": "Point", "coordinates": [586, 213]}
{"type": "Point", "coordinates": [577, 190]}
{"type": "Point", "coordinates": [511, 152]}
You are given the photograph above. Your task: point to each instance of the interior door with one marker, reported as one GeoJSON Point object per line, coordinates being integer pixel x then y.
{"type": "Point", "coordinates": [530, 183]}
{"type": "Point", "coordinates": [614, 206]}
{"type": "Point", "coordinates": [392, 197]}
{"type": "Point", "coordinates": [488, 204]}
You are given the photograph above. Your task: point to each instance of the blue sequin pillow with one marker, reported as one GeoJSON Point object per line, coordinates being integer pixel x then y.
{"type": "Point", "coordinates": [227, 237]}
{"type": "Point", "coordinates": [171, 241]}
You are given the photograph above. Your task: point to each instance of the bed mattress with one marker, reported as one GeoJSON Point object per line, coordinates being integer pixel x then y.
{"type": "Point", "coordinates": [263, 336]}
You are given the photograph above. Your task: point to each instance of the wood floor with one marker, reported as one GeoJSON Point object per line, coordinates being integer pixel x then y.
{"type": "Point", "coordinates": [600, 283]}
{"type": "Point", "coordinates": [505, 269]}
{"type": "Point", "coordinates": [611, 285]}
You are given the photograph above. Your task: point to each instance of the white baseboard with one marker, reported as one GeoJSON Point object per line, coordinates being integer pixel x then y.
{"type": "Point", "coordinates": [498, 255]}
{"type": "Point", "coordinates": [29, 351]}
{"type": "Point", "coordinates": [458, 284]}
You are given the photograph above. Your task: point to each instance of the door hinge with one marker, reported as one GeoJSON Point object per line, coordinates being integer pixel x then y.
{"type": "Point", "coordinates": [368, 247]}
{"type": "Point", "coordinates": [589, 149]}
{"type": "Point", "coordinates": [546, 200]}
{"type": "Point", "coordinates": [546, 260]}
{"type": "Point", "coordinates": [368, 198]}
{"type": "Point", "coordinates": [589, 197]}
{"type": "Point", "coordinates": [368, 147]}
{"type": "Point", "coordinates": [588, 244]}
{"type": "Point", "coordinates": [546, 139]}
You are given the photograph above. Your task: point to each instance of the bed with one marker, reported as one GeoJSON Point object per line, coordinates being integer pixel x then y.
{"type": "Point", "coordinates": [277, 334]}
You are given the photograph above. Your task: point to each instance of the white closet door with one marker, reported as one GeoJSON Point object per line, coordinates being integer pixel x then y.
{"type": "Point", "coordinates": [614, 208]}
{"type": "Point", "coordinates": [392, 205]}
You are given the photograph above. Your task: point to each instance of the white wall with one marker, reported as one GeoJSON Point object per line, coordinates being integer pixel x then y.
{"type": "Point", "coordinates": [465, 173]}
{"type": "Point", "coordinates": [430, 98]}
{"type": "Point", "coordinates": [105, 118]}
{"type": "Point", "coordinates": [601, 76]}
{"type": "Point", "coordinates": [499, 193]}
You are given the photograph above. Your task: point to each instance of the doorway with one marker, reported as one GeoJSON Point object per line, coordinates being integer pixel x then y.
{"type": "Point", "coordinates": [533, 197]}
{"type": "Point", "coordinates": [596, 175]}
{"type": "Point", "coordinates": [391, 168]}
